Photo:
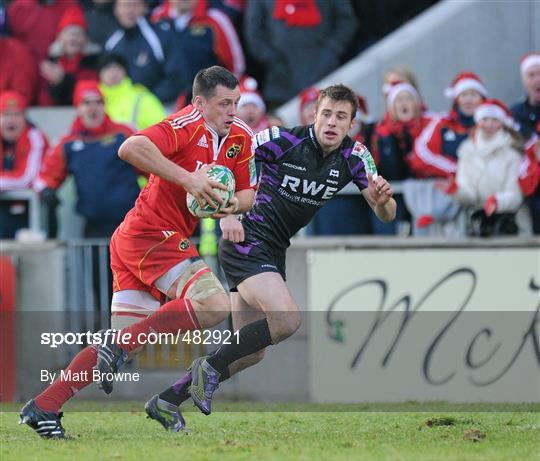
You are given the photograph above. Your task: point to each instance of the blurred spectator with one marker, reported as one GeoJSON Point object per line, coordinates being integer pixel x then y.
{"type": "Point", "coordinates": [22, 149]}
{"type": "Point", "coordinates": [488, 170]}
{"type": "Point", "coordinates": [398, 74]}
{"type": "Point", "coordinates": [101, 21]}
{"type": "Point", "coordinates": [527, 112]}
{"type": "Point", "coordinates": [153, 57]}
{"type": "Point", "coordinates": [34, 22]}
{"type": "Point", "coordinates": [297, 41]}
{"type": "Point", "coordinates": [126, 102]}
{"type": "Point", "coordinates": [364, 125]}
{"type": "Point", "coordinates": [529, 178]}
{"type": "Point", "coordinates": [19, 70]}
{"type": "Point", "coordinates": [251, 107]}
{"type": "Point", "coordinates": [106, 186]}
{"type": "Point", "coordinates": [207, 35]}
{"type": "Point", "coordinates": [71, 58]}
{"type": "Point", "coordinates": [395, 135]}
{"type": "Point", "coordinates": [308, 103]}
{"type": "Point", "coordinates": [435, 150]}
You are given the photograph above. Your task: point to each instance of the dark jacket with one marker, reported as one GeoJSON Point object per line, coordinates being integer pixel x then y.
{"type": "Point", "coordinates": [527, 116]}
{"type": "Point", "coordinates": [154, 58]}
{"type": "Point", "coordinates": [297, 57]}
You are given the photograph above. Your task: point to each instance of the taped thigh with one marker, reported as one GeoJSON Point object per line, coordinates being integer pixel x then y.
{"type": "Point", "coordinates": [198, 282]}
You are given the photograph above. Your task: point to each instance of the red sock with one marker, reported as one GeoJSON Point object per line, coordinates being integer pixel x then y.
{"type": "Point", "coordinates": [425, 221]}
{"type": "Point", "coordinates": [62, 389]}
{"type": "Point", "coordinates": [175, 315]}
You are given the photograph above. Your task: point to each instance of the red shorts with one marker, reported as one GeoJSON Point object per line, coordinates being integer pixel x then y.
{"type": "Point", "coordinates": [137, 261]}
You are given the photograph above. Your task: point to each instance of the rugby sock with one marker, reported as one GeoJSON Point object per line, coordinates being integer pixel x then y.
{"type": "Point", "coordinates": [251, 338]}
{"type": "Point", "coordinates": [175, 315]}
{"type": "Point", "coordinates": [179, 391]}
{"type": "Point", "coordinates": [76, 376]}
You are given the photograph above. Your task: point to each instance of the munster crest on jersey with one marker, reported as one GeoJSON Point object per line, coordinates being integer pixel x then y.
{"type": "Point", "coordinates": [234, 150]}
{"type": "Point", "coordinates": [184, 244]}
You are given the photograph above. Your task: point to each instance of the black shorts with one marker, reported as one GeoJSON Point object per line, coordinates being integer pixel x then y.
{"type": "Point", "coordinates": [243, 260]}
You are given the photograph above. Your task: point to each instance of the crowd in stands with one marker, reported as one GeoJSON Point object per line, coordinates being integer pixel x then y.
{"type": "Point", "coordinates": [124, 64]}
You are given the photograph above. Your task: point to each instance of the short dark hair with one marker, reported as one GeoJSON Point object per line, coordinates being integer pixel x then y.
{"type": "Point", "coordinates": [207, 80]}
{"type": "Point", "coordinates": [340, 93]}
{"type": "Point", "coordinates": [112, 58]}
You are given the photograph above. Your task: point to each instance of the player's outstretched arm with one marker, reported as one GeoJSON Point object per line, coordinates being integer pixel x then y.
{"type": "Point", "coordinates": [379, 196]}
{"type": "Point", "coordinates": [143, 154]}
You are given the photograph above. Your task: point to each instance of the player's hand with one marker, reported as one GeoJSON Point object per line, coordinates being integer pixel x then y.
{"type": "Point", "coordinates": [232, 229]}
{"type": "Point", "coordinates": [379, 190]}
{"type": "Point", "coordinates": [202, 188]}
{"type": "Point", "coordinates": [231, 208]}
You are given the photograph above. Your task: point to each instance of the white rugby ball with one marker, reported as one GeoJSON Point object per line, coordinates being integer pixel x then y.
{"type": "Point", "coordinates": [222, 175]}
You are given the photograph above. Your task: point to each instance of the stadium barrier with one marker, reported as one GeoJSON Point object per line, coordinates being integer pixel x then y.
{"type": "Point", "coordinates": [342, 285]}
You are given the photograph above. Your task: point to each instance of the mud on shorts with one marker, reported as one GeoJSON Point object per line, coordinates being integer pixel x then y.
{"type": "Point", "coordinates": [243, 260]}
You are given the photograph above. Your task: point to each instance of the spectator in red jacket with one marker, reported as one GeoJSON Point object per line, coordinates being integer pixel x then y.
{"type": "Point", "coordinates": [397, 132]}
{"type": "Point", "coordinates": [21, 149]}
{"type": "Point", "coordinates": [435, 150]}
{"type": "Point", "coordinates": [71, 58]}
{"type": "Point", "coordinates": [19, 70]}
{"type": "Point", "coordinates": [34, 22]}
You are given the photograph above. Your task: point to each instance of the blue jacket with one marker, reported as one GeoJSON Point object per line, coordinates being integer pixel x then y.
{"type": "Point", "coordinates": [106, 186]}
{"type": "Point", "coordinates": [527, 116]}
{"type": "Point", "coordinates": [154, 58]}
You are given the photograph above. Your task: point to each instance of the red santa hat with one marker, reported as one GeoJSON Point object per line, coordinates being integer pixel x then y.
{"type": "Point", "coordinates": [309, 94]}
{"type": "Point", "coordinates": [12, 101]}
{"type": "Point", "coordinates": [465, 81]}
{"type": "Point", "coordinates": [362, 113]}
{"type": "Point", "coordinates": [71, 17]}
{"type": "Point", "coordinates": [85, 89]}
{"type": "Point", "coordinates": [493, 108]}
{"type": "Point", "coordinates": [528, 61]}
{"type": "Point", "coordinates": [394, 90]}
{"type": "Point", "coordinates": [249, 93]}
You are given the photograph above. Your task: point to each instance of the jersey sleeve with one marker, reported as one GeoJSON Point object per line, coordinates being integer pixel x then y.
{"type": "Point", "coordinates": [361, 163]}
{"type": "Point", "coordinates": [164, 136]}
{"type": "Point", "coordinates": [268, 145]}
{"type": "Point", "coordinates": [244, 171]}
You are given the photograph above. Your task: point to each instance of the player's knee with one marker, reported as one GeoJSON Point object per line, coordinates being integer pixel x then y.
{"type": "Point", "coordinates": [212, 310]}
{"type": "Point", "coordinates": [285, 325]}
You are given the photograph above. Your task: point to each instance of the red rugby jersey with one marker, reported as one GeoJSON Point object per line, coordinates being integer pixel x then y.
{"type": "Point", "coordinates": [185, 139]}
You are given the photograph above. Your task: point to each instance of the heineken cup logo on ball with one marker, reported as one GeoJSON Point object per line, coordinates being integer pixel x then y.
{"type": "Point", "coordinates": [223, 175]}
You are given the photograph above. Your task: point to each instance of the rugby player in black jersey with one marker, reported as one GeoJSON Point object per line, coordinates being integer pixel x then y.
{"type": "Point", "coordinates": [302, 168]}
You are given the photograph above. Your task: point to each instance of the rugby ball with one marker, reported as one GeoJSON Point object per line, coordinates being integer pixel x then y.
{"type": "Point", "coordinates": [222, 175]}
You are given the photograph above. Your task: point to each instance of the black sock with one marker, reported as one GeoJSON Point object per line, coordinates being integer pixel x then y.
{"type": "Point", "coordinates": [178, 394]}
{"type": "Point", "coordinates": [252, 338]}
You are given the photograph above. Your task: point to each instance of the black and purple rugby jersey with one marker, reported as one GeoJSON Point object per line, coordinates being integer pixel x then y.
{"type": "Point", "coordinates": [296, 180]}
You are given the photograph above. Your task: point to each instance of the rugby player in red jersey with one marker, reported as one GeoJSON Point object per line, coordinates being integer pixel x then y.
{"type": "Point", "coordinates": [158, 274]}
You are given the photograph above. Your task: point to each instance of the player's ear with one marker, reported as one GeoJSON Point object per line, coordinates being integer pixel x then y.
{"type": "Point", "coordinates": [198, 102]}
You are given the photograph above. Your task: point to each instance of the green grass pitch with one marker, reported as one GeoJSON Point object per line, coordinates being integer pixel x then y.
{"type": "Point", "coordinates": [242, 431]}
